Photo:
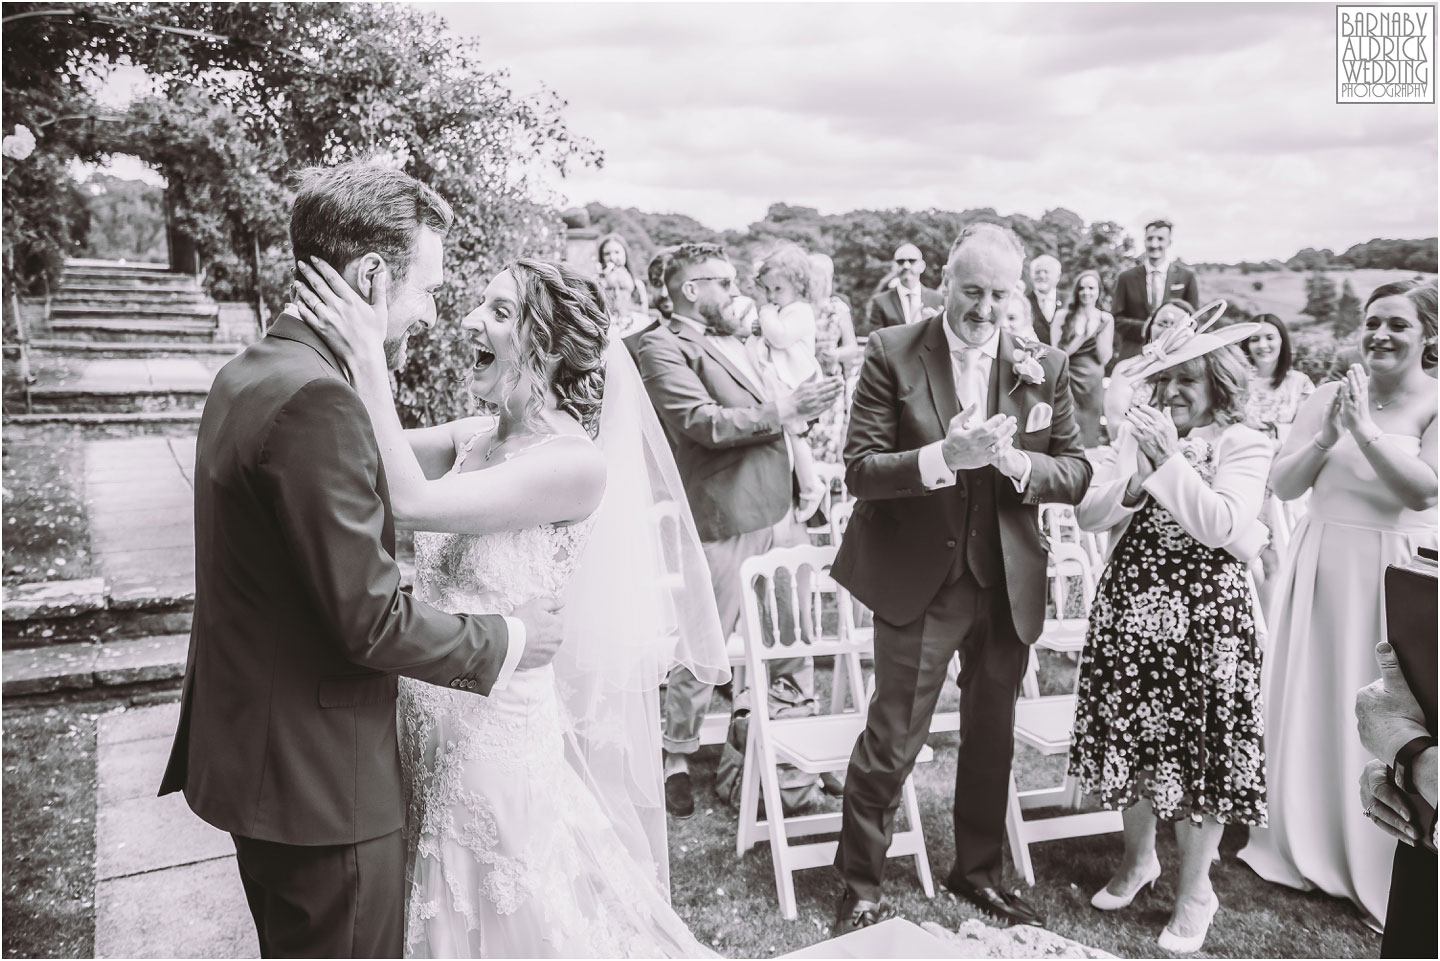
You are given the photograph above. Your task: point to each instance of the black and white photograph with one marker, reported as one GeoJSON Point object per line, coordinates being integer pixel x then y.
{"type": "Point", "coordinates": [719, 480]}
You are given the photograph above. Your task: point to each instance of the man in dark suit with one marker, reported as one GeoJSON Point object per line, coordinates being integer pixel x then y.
{"type": "Point", "coordinates": [287, 715]}
{"type": "Point", "coordinates": [953, 442]}
{"type": "Point", "coordinates": [904, 299]}
{"type": "Point", "coordinates": [1045, 307]}
{"type": "Point", "coordinates": [730, 450]}
{"type": "Point", "coordinates": [1142, 288]}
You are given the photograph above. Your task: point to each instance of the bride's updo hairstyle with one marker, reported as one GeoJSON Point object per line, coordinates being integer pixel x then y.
{"type": "Point", "coordinates": [562, 322]}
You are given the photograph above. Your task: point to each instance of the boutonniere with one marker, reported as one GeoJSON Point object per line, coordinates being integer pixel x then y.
{"type": "Point", "coordinates": [1026, 360]}
{"type": "Point", "coordinates": [927, 312]}
{"type": "Point", "coordinates": [1195, 450]}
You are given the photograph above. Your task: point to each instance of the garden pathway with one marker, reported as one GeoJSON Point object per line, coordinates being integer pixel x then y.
{"type": "Point", "coordinates": [166, 884]}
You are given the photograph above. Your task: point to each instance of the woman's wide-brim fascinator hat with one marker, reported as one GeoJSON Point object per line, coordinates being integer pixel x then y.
{"type": "Point", "coordinates": [1194, 336]}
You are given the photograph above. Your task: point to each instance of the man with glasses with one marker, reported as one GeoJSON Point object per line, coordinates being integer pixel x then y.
{"type": "Point", "coordinates": [730, 450]}
{"type": "Point", "coordinates": [904, 299]}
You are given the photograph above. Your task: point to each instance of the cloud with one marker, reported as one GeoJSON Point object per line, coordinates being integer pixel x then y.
{"type": "Point", "coordinates": [1221, 113]}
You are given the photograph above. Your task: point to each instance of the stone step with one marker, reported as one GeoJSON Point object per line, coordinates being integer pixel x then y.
{"type": "Point", "coordinates": [99, 263]}
{"type": "Point", "coordinates": [176, 301]}
{"type": "Point", "coordinates": [138, 330]}
{"type": "Point", "coordinates": [160, 313]}
{"type": "Point", "coordinates": [117, 667]}
{"type": "Point", "coordinates": [145, 422]}
{"type": "Point", "coordinates": [92, 611]}
{"type": "Point", "coordinates": [118, 399]}
{"type": "Point", "coordinates": [125, 278]}
{"type": "Point", "coordinates": [114, 350]}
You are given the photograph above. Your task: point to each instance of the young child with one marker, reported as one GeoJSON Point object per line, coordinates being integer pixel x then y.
{"type": "Point", "coordinates": [785, 354]}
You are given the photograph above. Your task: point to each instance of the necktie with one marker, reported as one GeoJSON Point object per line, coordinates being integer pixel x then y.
{"type": "Point", "coordinates": [907, 303]}
{"type": "Point", "coordinates": [968, 359]}
{"type": "Point", "coordinates": [1157, 284]}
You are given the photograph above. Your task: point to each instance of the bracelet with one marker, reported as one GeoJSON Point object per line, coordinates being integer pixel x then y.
{"type": "Point", "coordinates": [1319, 446]}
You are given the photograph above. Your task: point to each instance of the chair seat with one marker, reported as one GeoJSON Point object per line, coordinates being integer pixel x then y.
{"type": "Point", "coordinates": [1045, 723]}
{"type": "Point", "coordinates": [1067, 636]}
{"type": "Point", "coordinates": [822, 743]}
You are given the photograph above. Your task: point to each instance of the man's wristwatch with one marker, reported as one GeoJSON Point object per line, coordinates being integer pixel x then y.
{"type": "Point", "coordinates": [1404, 776]}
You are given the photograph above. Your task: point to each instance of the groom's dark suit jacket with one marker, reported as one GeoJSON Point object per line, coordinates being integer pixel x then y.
{"type": "Point", "coordinates": [287, 718]}
{"type": "Point", "coordinates": [903, 540]}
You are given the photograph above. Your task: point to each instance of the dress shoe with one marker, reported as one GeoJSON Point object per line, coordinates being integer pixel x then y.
{"type": "Point", "coordinates": [832, 785]}
{"type": "Point", "coordinates": [1170, 941]}
{"type": "Point", "coordinates": [1106, 901]}
{"type": "Point", "coordinates": [854, 914]}
{"type": "Point", "coordinates": [998, 903]}
{"type": "Point", "coordinates": [679, 797]}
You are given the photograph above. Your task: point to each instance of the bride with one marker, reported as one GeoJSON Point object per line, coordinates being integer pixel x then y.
{"type": "Point", "coordinates": [535, 818]}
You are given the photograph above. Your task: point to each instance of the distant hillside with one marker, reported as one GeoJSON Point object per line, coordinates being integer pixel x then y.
{"type": "Point", "coordinates": [1282, 292]}
{"type": "Point", "coordinates": [1377, 254]}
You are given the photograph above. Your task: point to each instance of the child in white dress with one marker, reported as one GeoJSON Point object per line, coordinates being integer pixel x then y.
{"type": "Point", "coordinates": [785, 355]}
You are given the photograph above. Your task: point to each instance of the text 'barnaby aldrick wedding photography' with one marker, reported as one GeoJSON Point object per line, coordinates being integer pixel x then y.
{"type": "Point", "coordinates": [1385, 54]}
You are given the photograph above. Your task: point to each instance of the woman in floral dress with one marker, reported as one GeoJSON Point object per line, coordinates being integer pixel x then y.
{"type": "Point", "coordinates": [1168, 723]}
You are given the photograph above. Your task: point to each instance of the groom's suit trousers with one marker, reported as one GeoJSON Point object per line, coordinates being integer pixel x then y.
{"type": "Point", "coordinates": [911, 661]}
{"type": "Point", "coordinates": [327, 900]}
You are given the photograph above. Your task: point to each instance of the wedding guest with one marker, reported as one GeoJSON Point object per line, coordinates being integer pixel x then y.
{"type": "Point", "coordinates": [1087, 336]}
{"type": "Point", "coordinates": [659, 301]}
{"type": "Point", "coordinates": [1147, 285]}
{"type": "Point", "coordinates": [730, 450]}
{"type": "Point", "coordinates": [1119, 393]}
{"type": "Point", "coordinates": [784, 353]}
{"type": "Point", "coordinates": [902, 299]}
{"type": "Point", "coordinates": [1392, 727]}
{"type": "Point", "coordinates": [1364, 447]}
{"type": "Point", "coordinates": [1018, 316]}
{"type": "Point", "coordinates": [942, 546]}
{"type": "Point", "coordinates": [1168, 717]}
{"type": "Point", "coordinates": [837, 351]}
{"type": "Point", "coordinates": [1277, 390]}
{"type": "Point", "coordinates": [615, 259]}
{"type": "Point", "coordinates": [1043, 299]}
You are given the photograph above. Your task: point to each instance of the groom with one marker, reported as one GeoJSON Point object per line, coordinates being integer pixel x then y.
{"type": "Point", "coordinates": [955, 437]}
{"type": "Point", "coordinates": [287, 716]}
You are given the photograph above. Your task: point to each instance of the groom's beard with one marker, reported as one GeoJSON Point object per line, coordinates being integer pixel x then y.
{"type": "Point", "coordinates": [395, 353]}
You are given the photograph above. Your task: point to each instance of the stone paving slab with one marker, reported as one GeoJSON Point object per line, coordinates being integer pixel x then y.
{"type": "Point", "coordinates": [138, 724]}
{"type": "Point", "coordinates": [159, 528]}
{"type": "Point", "coordinates": [195, 911]}
{"type": "Point", "coordinates": [129, 373]}
{"type": "Point", "coordinates": [25, 602]}
{"type": "Point", "coordinates": [132, 769]}
{"type": "Point", "coordinates": [149, 833]}
{"type": "Point", "coordinates": [141, 660]}
{"type": "Point", "coordinates": [56, 667]}
{"type": "Point", "coordinates": [135, 589]}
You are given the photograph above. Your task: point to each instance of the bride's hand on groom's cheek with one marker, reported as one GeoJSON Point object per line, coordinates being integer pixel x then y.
{"type": "Point", "coordinates": [353, 328]}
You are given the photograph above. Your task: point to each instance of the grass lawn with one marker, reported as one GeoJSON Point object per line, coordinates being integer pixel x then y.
{"type": "Point", "coordinates": [49, 827]}
{"type": "Point", "coordinates": [1282, 292]}
{"type": "Point", "coordinates": [731, 904]}
{"type": "Point", "coordinates": [46, 535]}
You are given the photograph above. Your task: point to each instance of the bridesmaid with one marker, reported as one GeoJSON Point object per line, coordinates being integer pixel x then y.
{"type": "Point", "coordinates": [1087, 335]}
{"type": "Point", "coordinates": [1365, 449]}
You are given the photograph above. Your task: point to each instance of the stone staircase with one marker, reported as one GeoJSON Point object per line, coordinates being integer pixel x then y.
{"type": "Point", "coordinates": [125, 343]}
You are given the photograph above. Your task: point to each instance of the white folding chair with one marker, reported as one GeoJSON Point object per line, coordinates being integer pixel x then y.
{"type": "Point", "coordinates": [815, 745]}
{"type": "Point", "coordinates": [1047, 723]}
{"type": "Point", "coordinates": [1061, 526]}
{"type": "Point", "coordinates": [833, 475]}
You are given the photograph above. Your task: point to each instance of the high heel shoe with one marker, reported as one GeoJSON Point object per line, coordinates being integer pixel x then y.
{"type": "Point", "coordinates": [1106, 901]}
{"type": "Point", "coordinates": [1170, 941]}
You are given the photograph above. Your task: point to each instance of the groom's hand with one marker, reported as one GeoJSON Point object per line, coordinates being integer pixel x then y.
{"type": "Point", "coordinates": [543, 632]}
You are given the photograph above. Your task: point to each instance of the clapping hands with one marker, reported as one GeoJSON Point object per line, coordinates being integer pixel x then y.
{"type": "Point", "coordinates": [1155, 433]}
{"type": "Point", "coordinates": [1353, 403]}
{"type": "Point", "coordinates": [968, 446]}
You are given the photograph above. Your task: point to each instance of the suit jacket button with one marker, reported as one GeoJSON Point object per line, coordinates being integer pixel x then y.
{"type": "Point", "coordinates": [950, 543]}
{"type": "Point", "coordinates": [471, 684]}
{"type": "Point", "coordinates": [454, 682]}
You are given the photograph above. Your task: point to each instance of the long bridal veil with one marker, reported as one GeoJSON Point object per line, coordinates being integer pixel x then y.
{"type": "Point", "coordinates": [639, 602]}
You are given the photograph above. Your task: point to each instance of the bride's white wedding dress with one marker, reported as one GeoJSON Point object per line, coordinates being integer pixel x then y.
{"type": "Point", "coordinates": [511, 853]}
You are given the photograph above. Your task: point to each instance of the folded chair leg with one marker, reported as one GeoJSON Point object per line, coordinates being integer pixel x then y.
{"type": "Point", "coordinates": [779, 842]}
{"type": "Point", "coordinates": [746, 837]}
{"type": "Point", "coordinates": [1015, 828]}
{"type": "Point", "coordinates": [922, 856]}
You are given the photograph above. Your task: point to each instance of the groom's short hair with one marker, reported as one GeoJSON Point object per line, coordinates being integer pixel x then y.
{"type": "Point", "coordinates": [351, 209]}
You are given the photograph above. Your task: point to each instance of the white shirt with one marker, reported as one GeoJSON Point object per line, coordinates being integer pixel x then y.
{"type": "Point", "coordinates": [912, 300]}
{"type": "Point", "coordinates": [934, 472]}
{"type": "Point", "coordinates": [1048, 304]}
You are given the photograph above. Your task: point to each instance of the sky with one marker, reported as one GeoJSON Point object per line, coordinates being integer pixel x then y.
{"type": "Point", "coordinates": [1222, 116]}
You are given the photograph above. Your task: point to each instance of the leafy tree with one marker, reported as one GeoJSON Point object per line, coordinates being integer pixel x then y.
{"type": "Point", "coordinates": [1348, 313]}
{"type": "Point", "coordinates": [1320, 300]}
{"type": "Point", "coordinates": [127, 220]}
